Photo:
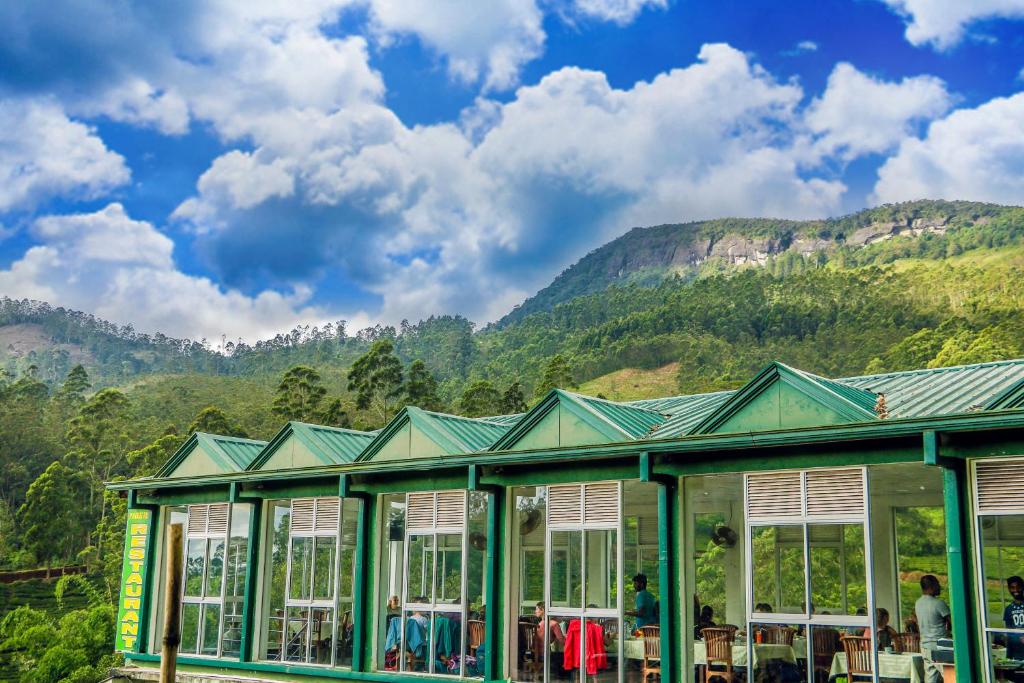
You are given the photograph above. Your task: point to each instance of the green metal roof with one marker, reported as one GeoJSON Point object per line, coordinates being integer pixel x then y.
{"type": "Point", "coordinates": [240, 452]}
{"type": "Point", "coordinates": [684, 412]}
{"type": "Point", "coordinates": [339, 445]}
{"type": "Point", "coordinates": [944, 391]}
{"type": "Point", "coordinates": [634, 420]}
{"type": "Point", "coordinates": [509, 420]}
{"type": "Point", "coordinates": [475, 434]}
{"type": "Point", "coordinates": [227, 453]}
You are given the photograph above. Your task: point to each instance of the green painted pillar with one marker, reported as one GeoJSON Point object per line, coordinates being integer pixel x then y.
{"type": "Point", "coordinates": [668, 539]}
{"type": "Point", "coordinates": [494, 583]}
{"type": "Point", "coordinates": [961, 602]}
{"type": "Point", "coordinates": [360, 618]}
{"type": "Point", "coordinates": [246, 650]}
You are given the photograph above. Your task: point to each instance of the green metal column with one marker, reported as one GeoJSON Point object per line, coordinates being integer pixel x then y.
{"type": "Point", "coordinates": [667, 577]}
{"type": "Point", "coordinates": [494, 581]}
{"type": "Point", "coordinates": [359, 612]}
{"type": "Point", "coordinates": [246, 653]}
{"type": "Point", "coordinates": [961, 602]}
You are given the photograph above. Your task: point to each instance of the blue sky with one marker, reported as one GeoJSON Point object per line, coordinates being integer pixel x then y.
{"type": "Point", "coordinates": [228, 168]}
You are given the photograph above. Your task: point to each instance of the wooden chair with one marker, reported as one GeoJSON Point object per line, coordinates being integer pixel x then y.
{"type": "Point", "coordinates": [824, 646]}
{"type": "Point", "coordinates": [718, 643]}
{"type": "Point", "coordinates": [858, 656]}
{"type": "Point", "coordinates": [530, 661]}
{"type": "Point", "coordinates": [779, 635]}
{"type": "Point", "coordinates": [652, 652]}
{"type": "Point", "coordinates": [474, 635]}
{"type": "Point", "coordinates": [908, 642]}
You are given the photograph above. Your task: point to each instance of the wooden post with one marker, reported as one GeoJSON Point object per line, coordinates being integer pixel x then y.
{"type": "Point", "coordinates": [172, 606]}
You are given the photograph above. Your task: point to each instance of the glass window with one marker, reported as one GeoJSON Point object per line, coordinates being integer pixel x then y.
{"type": "Point", "coordinates": [169, 516]}
{"type": "Point", "coordinates": [275, 580]}
{"type": "Point", "coordinates": [323, 572]}
{"type": "Point", "coordinates": [602, 568]}
{"type": "Point", "coordinates": [778, 568]}
{"type": "Point", "coordinates": [190, 627]}
{"type": "Point", "coordinates": [525, 633]}
{"type": "Point", "coordinates": [392, 554]}
{"type": "Point", "coordinates": [1002, 551]}
{"type": "Point", "coordinates": [838, 576]}
{"type": "Point", "coordinates": [195, 567]}
{"type": "Point", "coordinates": [567, 569]}
{"type": "Point", "coordinates": [211, 625]}
{"type": "Point", "coordinates": [421, 569]}
{"type": "Point", "coordinates": [235, 578]}
{"type": "Point", "coordinates": [301, 568]}
{"type": "Point", "coordinates": [346, 578]}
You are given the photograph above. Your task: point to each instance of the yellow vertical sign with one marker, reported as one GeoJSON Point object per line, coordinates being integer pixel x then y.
{"type": "Point", "coordinates": [133, 581]}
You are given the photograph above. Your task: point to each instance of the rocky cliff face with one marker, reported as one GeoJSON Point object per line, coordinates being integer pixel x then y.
{"type": "Point", "coordinates": [647, 254]}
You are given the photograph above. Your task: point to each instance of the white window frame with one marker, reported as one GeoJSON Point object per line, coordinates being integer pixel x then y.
{"type": "Point", "coordinates": [203, 600]}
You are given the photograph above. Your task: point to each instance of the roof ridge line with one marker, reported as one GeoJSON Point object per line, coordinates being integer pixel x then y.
{"type": "Point", "coordinates": [947, 368]}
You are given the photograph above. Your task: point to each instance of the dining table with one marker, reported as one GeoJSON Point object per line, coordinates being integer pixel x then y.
{"type": "Point", "coordinates": [908, 666]}
{"type": "Point", "coordinates": [763, 652]}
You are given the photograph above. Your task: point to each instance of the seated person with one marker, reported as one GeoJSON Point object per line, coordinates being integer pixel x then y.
{"type": "Point", "coordinates": [1013, 617]}
{"type": "Point", "coordinates": [707, 617]}
{"type": "Point", "coordinates": [645, 611]}
{"type": "Point", "coordinates": [885, 635]}
{"type": "Point", "coordinates": [556, 639]}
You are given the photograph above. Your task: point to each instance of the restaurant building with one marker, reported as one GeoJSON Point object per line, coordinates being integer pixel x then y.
{"type": "Point", "coordinates": [505, 548]}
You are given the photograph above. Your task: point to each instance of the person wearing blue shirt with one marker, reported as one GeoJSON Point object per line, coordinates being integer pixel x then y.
{"type": "Point", "coordinates": [1013, 617]}
{"type": "Point", "coordinates": [645, 612]}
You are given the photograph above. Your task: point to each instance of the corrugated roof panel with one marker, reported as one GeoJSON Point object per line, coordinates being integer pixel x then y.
{"type": "Point", "coordinates": [858, 396]}
{"type": "Point", "coordinates": [241, 452]}
{"type": "Point", "coordinates": [687, 411]}
{"type": "Point", "coordinates": [510, 420]}
{"type": "Point", "coordinates": [634, 420]}
{"type": "Point", "coordinates": [341, 445]}
{"type": "Point", "coordinates": [942, 391]}
{"type": "Point", "coordinates": [475, 433]}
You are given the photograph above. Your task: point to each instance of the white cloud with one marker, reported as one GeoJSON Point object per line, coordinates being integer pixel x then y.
{"type": "Point", "coordinates": [943, 23]}
{"type": "Point", "coordinates": [441, 219]}
{"type": "Point", "coordinates": [859, 114]}
{"type": "Point", "coordinates": [44, 154]}
{"type": "Point", "coordinates": [122, 270]}
{"type": "Point", "coordinates": [807, 46]}
{"type": "Point", "coordinates": [488, 41]}
{"type": "Point", "coordinates": [974, 154]}
{"type": "Point", "coordinates": [621, 12]}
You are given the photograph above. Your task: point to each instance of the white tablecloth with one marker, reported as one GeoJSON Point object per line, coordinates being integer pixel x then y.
{"type": "Point", "coordinates": [908, 666]}
{"type": "Point", "coordinates": [762, 653]}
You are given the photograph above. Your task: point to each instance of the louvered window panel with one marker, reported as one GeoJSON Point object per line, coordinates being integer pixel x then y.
{"type": "Point", "coordinates": [774, 496]}
{"type": "Point", "coordinates": [217, 520]}
{"type": "Point", "coordinates": [303, 513]}
{"type": "Point", "coordinates": [647, 534]}
{"type": "Point", "coordinates": [451, 509]}
{"type": "Point", "coordinates": [835, 493]}
{"type": "Point", "coordinates": [197, 515]}
{"type": "Point", "coordinates": [328, 515]}
{"type": "Point", "coordinates": [999, 487]}
{"type": "Point", "coordinates": [565, 505]}
{"type": "Point", "coordinates": [419, 512]}
{"type": "Point", "coordinates": [601, 504]}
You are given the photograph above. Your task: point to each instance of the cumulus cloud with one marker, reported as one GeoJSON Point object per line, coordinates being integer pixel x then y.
{"type": "Point", "coordinates": [943, 23]}
{"type": "Point", "coordinates": [975, 154]}
{"type": "Point", "coordinates": [44, 154]}
{"type": "Point", "coordinates": [123, 270]}
{"type": "Point", "coordinates": [621, 12]}
{"type": "Point", "coordinates": [860, 114]}
{"type": "Point", "coordinates": [438, 218]}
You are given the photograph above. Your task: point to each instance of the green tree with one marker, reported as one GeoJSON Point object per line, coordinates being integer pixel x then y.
{"type": "Point", "coordinates": [513, 400]}
{"type": "Point", "coordinates": [146, 461]}
{"type": "Point", "coordinates": [213, 420]}
{"type": "Point", "coordinates": [421, 388]}
{"type": "Point", "coordinates": [479, 399]}
{"type": "Point", "coordinates": [299, 394]}
{"type": "Point", "coordinates": [557, 375]}
{"type": "Point", "coordinates": [51, 522]}
{"type": "Point", "coordinates": [75, 385]}
{"type": "Point", "coordinates": [335, 415]}
{"type": "Point", "coordinates": [376, 377]}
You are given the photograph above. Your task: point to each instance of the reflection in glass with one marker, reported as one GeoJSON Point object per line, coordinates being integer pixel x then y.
{"type": "Point", "coordinates": [778, 568]}
{"type": "Point", "coordinates": [301, 569]}
{"type": "Point", "coordinates": [211, 623]}
{"type": "Point", "coordinates": [231, 639]}
{"type": "Point", "coordinates": [778, 651]}
{"type": "Point", "coordinates": [838, 577]}
{"type": "Point", "coordinates": [421, 569]}
{"type": "Point", "coordinates": [321, 630]}
{"type": "Point", "coordinates": [392, 552]}
{"type": "Point", "coordinates": [448, 576]}
{"type": "Point", "coordinates": [323, 572]}
{"type": "Point", "coordinates": [567, 569]}
{"type": "Point", "coordinates": [447, 638]}
{"type": "Point", "coordinates": [296, 634]}
{"type": "Point", "coordinates": [601, 649]}
{"type": "Point", "coordinates": [416, 642]}
{"type": "Point", "coordinates": [195, 566]}
{"type": "Point", "coordinates": [1002, 541]}
{"type": "Point", "coordinates": [215, 571]}
{"type": "Point", "coordinates": [189, 628]}
{"type": "Point", "coordinates": [602, 568]}
{"type": "Point", "coordinates": [275, 580]}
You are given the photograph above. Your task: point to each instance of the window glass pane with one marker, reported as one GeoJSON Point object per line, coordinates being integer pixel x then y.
{"type": "Point", "coordinates": [448, 587]}
{"type": "Point", "coordinates": [600, 649]}
{"type": "Point", "coordinates": [838, 578]}
{"type": "Point", "coordinates": [211, 626]}
{"type": "Point", "coordinates": [566, 569]}
{"type": "Point", "coordinates": [296, 634]}
{"type": "Point", "coordinates": [920, 549]}
{"type": "Point", "coordinates": [301, 569]}
{"type": "Point", "coordinates": [475, 649]}
{"type": "Point", "coordinates": [559, 663]}
{"type": "Point", "coordinates": [321, 635]}
{"type": "Point", "coordinates": [420, 571]}
{"type": "Point", "coordinates": [195, 566]}
{"type": "Point", "coordinates": [779, 650]}
{"type": "Point", "coordinates": [189, 628]}
{"type": "Point", "coordinates": [215, 568]}
{"type": "Point", "coordinates": [602, 568]}
{"type": "Point", "coordinates": [231, 638]}
{"type": "Point", "coordinates": [392, 554]}
{"type": "Point", "coordinates": [323, 571]}
{"type": "Point", "coordinates": [416, 642]}
{"type": "Point", "coordinates": [1002, 540]}
{"type": "Point", "coordinates": [527, 574]}
{"type": "Point", "coordinates": [343, 653]}
{"type": "Point", "coordinates": [447, 638]}
{"type": "Point", "coordinates": [778, 566]}
{"type": "Point", "coordinates": [169, 516]}
{"type": "Point", "coordinates": [234, 589]}
{"type": "Point", "coordinates": [274, 584]}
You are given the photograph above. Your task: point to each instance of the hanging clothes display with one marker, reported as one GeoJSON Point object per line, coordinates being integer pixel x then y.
{"type": "Point", "coordinates": [597, 657]}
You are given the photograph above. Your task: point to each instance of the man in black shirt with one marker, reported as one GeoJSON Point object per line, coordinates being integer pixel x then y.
{"type": "Point", "coordinates": [1013, 617]}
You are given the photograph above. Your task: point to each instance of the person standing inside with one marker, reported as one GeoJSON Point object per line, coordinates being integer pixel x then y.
{"type": "Point", "coordinates": [1013, 617]}
{"type": "Point", "coordinates": [933, 620]}
{"type": "Point", "coordinates": [645, 612]}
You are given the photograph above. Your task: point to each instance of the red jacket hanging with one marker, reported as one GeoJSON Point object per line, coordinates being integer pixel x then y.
{"type": "Point", "coordinates": [597, 658]}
